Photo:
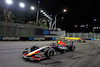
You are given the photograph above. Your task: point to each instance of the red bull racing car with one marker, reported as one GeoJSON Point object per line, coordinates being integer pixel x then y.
{"type": "Point", "coordinates": [36, 53]}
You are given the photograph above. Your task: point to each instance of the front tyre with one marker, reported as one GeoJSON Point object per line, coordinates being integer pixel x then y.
{"type": "Point", "coordinates": [50, 53]}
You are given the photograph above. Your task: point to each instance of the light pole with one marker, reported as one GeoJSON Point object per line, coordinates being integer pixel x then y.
{"type": "Point", "coordinates": [54, 23]}
{"type": "Point", "coordinates": [37, 16]}
{"type": "Point", "coordinates": [9, 2]}
{"type": "Point", "coordinates": [50, 19]}
{"type": "Point", "coordinates": [21, 4]}
{"type": "Point", "coordinates": [32, 8]}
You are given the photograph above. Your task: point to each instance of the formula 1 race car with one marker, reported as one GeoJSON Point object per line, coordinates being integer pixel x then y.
{"type": "Point", "coordinates": [36, 53]}
{"type": "Point", "coordinates": [81, 40]}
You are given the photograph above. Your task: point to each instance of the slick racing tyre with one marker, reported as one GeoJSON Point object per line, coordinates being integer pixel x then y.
{"type": "Point", "coordinates": [73, 48]}
{"type": "Point", "coordinates": [50, 53]}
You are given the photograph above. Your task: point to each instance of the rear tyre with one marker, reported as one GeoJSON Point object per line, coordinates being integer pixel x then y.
{"type": "Point", "coordinates": [73, 48]}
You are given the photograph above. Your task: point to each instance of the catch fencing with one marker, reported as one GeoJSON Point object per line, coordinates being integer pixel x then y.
{"type": "Point", "coordinates": [19, 30]}
{"type": "Point", "coordinates": [84, 35]}
{"type": "Point", "coordinates": [24, 30]}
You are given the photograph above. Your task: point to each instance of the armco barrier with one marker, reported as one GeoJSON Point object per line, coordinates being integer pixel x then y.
{"type": "Point", "coordinates": [39, 39]}
{"type": "Point", "coordinates": [26, 38]}
{"type": "Point", "coordinates": [89, 39]}
{"type": "Point", "coordinates": [31, 38]}
{"type": "Point", "coordinates": [9, 38]}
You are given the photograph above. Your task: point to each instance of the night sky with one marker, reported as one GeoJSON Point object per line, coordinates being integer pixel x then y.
{"type": "Point", "coordinates": [78, 11]}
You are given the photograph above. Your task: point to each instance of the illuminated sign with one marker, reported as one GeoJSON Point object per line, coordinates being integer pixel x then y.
{"type": "Point", "coordinates": [72, 38]}
{"type": "Point", "coordinates": [45, 32]}
{"type": "Point", "coordinates": [82, 25]}
{"type": "Point", "coordinates": [53, 32]}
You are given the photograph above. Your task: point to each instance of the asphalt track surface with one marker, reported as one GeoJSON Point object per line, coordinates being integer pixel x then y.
{"type": "Point", "coordinates": [86, 55]}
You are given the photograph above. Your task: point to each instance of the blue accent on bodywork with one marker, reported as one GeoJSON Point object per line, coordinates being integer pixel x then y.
{"type": "Point", "coordinates": [45, 32]}
{"type": "Point", "coordinates": [31, 38]}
